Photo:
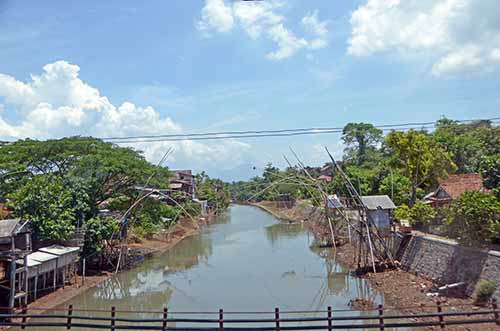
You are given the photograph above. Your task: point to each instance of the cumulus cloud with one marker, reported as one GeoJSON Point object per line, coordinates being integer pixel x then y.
{"type": "Point", "coordinates": [262, 20]}
{"type": "Point", "coordinates": [460, 34]}
{"type": "Point", "coordinates": [58, 103]}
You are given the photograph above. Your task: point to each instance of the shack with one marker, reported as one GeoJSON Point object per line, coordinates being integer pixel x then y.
{"type": "Point", "coordinates": [379, 210]}
{"type": "Point", "coordinates": [15, 245]}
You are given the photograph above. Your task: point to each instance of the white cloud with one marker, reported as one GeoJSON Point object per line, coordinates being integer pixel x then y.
{"type": "Point", "coordinates": [58, 103]}
{"type": "Point", "coordinates": [261, 20]}
{"type": "Point", "coordinates": [216, 15]}
{"type": "Point", "coordinates": [460, 34]}
{"type": "Point", "coordinates": [317, 28]}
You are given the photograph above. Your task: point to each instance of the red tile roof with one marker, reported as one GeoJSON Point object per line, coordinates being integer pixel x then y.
{"type": "Point", "coordinates": [457, 184]}
{"type": "Point", "coordinates": [325, 178]}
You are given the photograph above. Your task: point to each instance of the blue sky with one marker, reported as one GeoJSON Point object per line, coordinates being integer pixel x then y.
{"type": "Point", "coordinates": [129, 68]}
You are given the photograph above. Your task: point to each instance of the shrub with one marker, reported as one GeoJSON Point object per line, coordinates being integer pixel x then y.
{"type": "Point", "coordinates": [402, 213]}
{"type": "Point", "coordinates": [484, 291]}
{"type": "Point", "coordinates": [473, 218]}
{"type": "Point", "coordinates": [422, 214]}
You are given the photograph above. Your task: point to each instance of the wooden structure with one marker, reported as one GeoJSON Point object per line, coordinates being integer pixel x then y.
{"type": "Point", "coordinates": [15, 245]}
{"type": "Point", "coordinates": [379, 210]}
{"type": "Point", "coordinates": [67, 259]}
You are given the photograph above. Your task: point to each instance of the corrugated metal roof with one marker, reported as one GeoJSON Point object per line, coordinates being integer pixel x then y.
{"type": "Point", "coordinates": [42, 257]}
{"type": "Point", "coordinates": [7, 227]}
{"type": "Point", "coordinates": [374, 202]}
{"type": "Point", "coordinates": [31, 262]}
{"type": "Point", "coordinates": [59, 250]}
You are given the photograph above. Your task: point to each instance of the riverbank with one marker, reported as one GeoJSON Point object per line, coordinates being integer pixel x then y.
{"type": "Point", "coordinates": [400, 288]}
{"type": "Point", "coordinates": [138, 251]}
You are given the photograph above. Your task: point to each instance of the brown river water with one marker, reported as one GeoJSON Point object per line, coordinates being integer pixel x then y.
{"type": "Point", "coordinates": [246, 261]}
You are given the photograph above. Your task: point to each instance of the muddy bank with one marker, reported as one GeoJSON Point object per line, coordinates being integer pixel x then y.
{"type": "Point", "coordinates": [411, 292]}
{"type": "Point", "coordinates": [301, 212]}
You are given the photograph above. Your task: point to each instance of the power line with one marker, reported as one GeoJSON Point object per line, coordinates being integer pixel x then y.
{"type": "Point", "coordinates": [221, 135]}
{"type": "Point", "coordinates": [274, 133]}
{"type": "Point", "coordinates": [253, 132]}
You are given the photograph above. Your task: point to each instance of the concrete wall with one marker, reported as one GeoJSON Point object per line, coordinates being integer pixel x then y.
{"type": "Point", "coordinates": [446, 262]}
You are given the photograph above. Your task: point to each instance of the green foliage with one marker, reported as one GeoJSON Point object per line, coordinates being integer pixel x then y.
{"type": "Point", "coordinates": [153, 215]}
{"type": "Point", "coordinates": [422, 214]}
{"type": "Point", "coordinates": [397, 186]}
{"type": "Point", "coordinates": [484, 290]}
{"type": "Point", "coordinates": [214, 191]}
{"type": "Point", "coordinates": [473, 218]}
{"type": "Point", "coordinates": [98, 229]}
{"type": "Point", "coordinates": [489, 167]}
{"type": "Point", "coordinates": [403, 212]}
{"type": "Point", "coordinates": [53, 205]}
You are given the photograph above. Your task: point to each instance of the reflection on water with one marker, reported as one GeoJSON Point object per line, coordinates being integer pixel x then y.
{"type": "Point", "coordinates": [246, 261]}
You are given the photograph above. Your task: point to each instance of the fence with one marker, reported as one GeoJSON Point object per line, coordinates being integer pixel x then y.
{"type": "Point", "coordinates": [331, 319]}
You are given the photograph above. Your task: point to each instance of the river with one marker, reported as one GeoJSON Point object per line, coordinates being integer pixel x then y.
{"type": "Point", "coordinates": [246, 261]}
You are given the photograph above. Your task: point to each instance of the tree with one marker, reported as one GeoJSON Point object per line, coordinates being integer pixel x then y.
{"type": "Point", "coordinates": [419, 157]}
{"type": "Point", "coordinates": [97, 230]}
{"type": "Point", "coordinates": [53, 205]}
{"type": "Point", "coordinates": [107, 170]}
{"type": "Point", "coordinates": [473, 218]}
{"type": "Point", "coordinates": [361, 140]}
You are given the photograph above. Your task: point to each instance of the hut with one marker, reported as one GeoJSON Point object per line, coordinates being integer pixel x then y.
{"type": "Point", "coordinates": [379, 210]}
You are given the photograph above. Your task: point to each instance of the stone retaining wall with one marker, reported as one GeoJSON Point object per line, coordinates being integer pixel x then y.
{"type": "Point", "coordinates": [446, 262]}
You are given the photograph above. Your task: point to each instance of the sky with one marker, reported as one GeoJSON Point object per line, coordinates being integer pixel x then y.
{"type": "Point", "coordinates": [129, 68]}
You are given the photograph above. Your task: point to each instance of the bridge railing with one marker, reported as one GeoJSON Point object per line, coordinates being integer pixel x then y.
{"type": "Point", "coordinates": [330, 319]}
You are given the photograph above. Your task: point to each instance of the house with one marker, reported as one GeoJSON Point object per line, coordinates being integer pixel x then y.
{"type": "Point", "coordinates": [379, 210]}
{"type": "Point", "coordinates": [183, 181]}
{"type": "Point", "coordinates": [451, 188]}
{"type": "Point", "coordinates": [325, 173]}
{"type": "Point", "coordinates": [15, 245]}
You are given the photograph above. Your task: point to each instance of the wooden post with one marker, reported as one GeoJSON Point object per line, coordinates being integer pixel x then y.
{"type": "Point", "coordinates": [381, 317]}
{"type": "Point", "coordinates": [83, 272]}
{"type": "Point", "coordinates": [221, 319]}
{"type": "Point", "coordinates": [329, 318]}
{"type": "Point", "coordinates": [495, 313]}
{"type": "Point", "coordinates": [36, 284]}
{"type": "Point", "coordinates": [23, 322]}
{"type": "Point", "coordinates": [113, 314]}
{"type": "Point", "coordinates": [63, 277]}
{"type": "Point", "coordinates": [165, 315]}
{"type": "Point", "coordinates": [70, 312]}
{"type": "Point", "coordinates": [277, 318]}
{"type": "Point", "coordinates": [26, 280]}
{"type": "Point", "coordinates": [12, 284]}
{"type": "Point", "coordinates": [441, 319]}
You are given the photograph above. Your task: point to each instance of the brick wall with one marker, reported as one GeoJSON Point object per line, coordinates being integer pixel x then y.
{"type": "Point", "coordinates": [447, 262]}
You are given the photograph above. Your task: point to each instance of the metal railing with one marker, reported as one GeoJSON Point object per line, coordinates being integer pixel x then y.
{"type": "Point", "coordinates": [331, 320]}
